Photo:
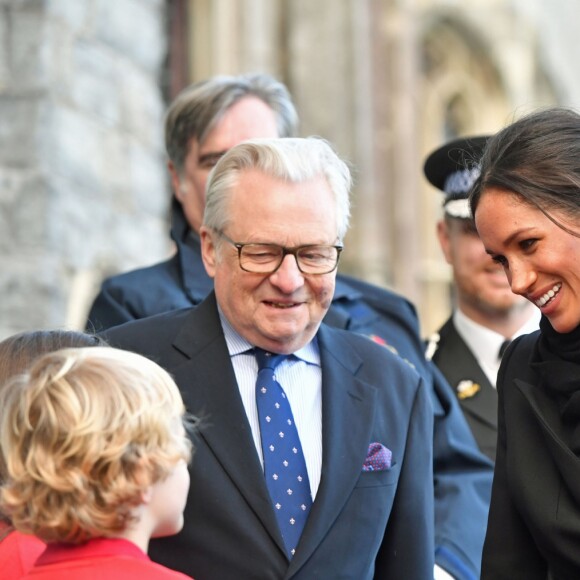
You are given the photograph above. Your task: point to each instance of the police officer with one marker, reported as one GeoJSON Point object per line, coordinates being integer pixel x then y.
{"type": "Point", "coordinates": [487, 315]}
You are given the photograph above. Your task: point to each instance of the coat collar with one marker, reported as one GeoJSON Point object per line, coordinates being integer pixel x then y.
{"type": "Point", "coordinates": [194, 278]}
{"type": "Point", "coordinates": [547, 413]}
{"type": "Point", "coordinates": [348, 308]}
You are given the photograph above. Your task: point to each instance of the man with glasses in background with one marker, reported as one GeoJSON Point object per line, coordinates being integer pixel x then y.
{"type": "Point", "coordinates": [487, 315]}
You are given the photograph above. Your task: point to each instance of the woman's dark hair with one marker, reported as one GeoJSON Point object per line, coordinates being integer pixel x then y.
{"type": "Point", "coordinates": [538, 158]}
{"type": "Point", "coordinates": [18, 351]}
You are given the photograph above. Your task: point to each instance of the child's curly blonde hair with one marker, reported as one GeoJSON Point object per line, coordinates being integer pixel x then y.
{"type": "Point", "coordinates": [84, 433]}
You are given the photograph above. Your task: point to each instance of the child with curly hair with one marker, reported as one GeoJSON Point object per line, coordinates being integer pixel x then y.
{"type": "Point", "coordinates": [18, 552]}
{"type": "Point", "coordinates": [95, 448]}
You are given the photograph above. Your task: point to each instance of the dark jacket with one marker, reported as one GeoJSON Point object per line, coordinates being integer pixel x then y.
{"type": "Point", "coordinates": [534, 521]}
{"type": "Point", "coordinates": [477, 396]}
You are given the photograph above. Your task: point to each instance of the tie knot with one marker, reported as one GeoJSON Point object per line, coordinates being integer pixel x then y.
{"type": "Point", "coordinates": [503, 348]}
{"type": "Point", "coordinates": [268, 360]}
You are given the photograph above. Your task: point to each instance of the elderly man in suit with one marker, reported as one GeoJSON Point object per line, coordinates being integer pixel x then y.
{"type": "Point", "coordinates": [487, 315]}
{"type": "Point", "coordinates": [360, 465]}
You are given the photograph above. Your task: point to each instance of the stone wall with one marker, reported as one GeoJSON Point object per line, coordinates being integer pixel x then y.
{"type": "Point", "coordinates": [83, 187]}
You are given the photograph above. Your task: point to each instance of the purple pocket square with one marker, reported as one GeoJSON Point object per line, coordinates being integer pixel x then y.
{"type": "Point", "coordinates": [378, 458]}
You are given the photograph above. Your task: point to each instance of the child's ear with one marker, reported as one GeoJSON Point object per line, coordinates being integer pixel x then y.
{"type": "Point", "coordinates": [147, 495]}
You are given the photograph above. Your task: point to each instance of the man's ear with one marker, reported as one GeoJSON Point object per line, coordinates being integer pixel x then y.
{"type": "Point", "coordinates": [175, 181]}
{"type": "Point", "coordinates": [444, 239]}
{"type": "Point", "coordinates": [208, 251]}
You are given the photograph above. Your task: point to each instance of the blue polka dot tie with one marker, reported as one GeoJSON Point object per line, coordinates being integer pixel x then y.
{"type": "Point", "coordinates": [284, 465]}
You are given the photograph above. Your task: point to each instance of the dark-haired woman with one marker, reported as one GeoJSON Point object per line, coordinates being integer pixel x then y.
{"type": "Point", "coordinates": [526, 205]}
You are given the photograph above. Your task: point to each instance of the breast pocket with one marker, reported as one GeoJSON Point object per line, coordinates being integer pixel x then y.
{"type": "Point", "coordinates": [379, 478]}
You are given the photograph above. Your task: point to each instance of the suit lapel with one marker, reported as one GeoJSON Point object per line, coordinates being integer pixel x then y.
{"type": "Point", "coordinates": [210, 390]}
{"type": "Point", "coordinates": [458, 363]}
{"type": "Point", "coordinates": [347, 419]}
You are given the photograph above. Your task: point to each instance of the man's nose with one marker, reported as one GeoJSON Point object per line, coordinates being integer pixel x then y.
{"type": "Point", "coordinates": [288, 276]}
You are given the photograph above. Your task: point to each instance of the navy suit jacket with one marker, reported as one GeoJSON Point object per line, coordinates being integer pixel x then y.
{"type": "Point", "coordinates": [457, 363]}
{"type": "Point", "coordinates": [362, 525]}
{"type": "Point", "coordinates": [462, 474]}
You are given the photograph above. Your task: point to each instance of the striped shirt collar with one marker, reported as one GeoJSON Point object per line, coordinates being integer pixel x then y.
{"type": "Point", "coordinates": [237, 344]}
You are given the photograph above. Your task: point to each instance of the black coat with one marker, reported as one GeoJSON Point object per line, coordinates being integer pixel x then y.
{"type": "Point", "coordinates": [534, 522]}
{"type": "Point", "coordinates": [478, 398]}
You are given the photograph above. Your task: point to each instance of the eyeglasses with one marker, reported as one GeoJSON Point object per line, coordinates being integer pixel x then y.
{"type": "Point", "coordinates": [267, 258]}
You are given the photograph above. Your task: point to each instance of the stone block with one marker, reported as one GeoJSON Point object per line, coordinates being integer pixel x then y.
{"type": "Point", "coordinates": [24, 211]}
{"type": "Point", "coordinates": [18, 130]}
{"type": "Point", "coordinates": [74, 14]}
{"type": "Point", "coordinates": [34, 294]}
{"type": "Point", "coordinates": [71, 145]}
{"type": "Point", "coordinates": [4, 51]}
{"type": "Point", "coordinates": [26, 43]}
{"type": "Point", "coordinates": [149, 181]}
{"type": "Point", "coordinates": [142, 107]}
{"type": "Point", "coordinates": [134, 28]}
{"type": "Point", "coordinates": [94, 86]}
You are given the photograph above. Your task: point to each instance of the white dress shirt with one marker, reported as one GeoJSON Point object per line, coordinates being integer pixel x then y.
{"type": "Point", "coordinates": [301, 379]}
{"type": "Point", "coordinates": [485, 343]}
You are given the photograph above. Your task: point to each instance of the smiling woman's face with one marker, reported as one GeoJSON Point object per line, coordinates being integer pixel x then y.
{"type": "Point", "coordinates": [541, 259]}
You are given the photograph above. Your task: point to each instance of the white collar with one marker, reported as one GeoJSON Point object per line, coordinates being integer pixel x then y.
{"type": "Point", "coordinates": [237, 344]}
{"type": "Point", "coordinates": [485, 343]}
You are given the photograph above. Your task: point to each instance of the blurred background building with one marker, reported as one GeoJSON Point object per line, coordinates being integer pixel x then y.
{"type": "Point", "coordinates": [84, 84]}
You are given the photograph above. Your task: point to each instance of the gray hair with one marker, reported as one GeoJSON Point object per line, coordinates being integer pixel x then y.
{"type": "Point", "coordinates": [294, 160]}
{"type": "Point", "coordinates": [200, 106]}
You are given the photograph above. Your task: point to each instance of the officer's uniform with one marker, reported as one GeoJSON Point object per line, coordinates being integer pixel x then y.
{"type": "Point", "coordinates": [467, 353]}
{"type": "Point", "coordinates": [452, 349]}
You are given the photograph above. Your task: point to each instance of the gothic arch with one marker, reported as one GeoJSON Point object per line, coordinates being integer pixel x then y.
{"type": "Point", "coordinates": [468, 87]}
{"type": "Point", "coordinates": [462, 87]}
{"type": "Point", "coordinates": [462, 93]}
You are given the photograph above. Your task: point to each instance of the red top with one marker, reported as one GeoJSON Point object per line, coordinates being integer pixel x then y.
{"type": "Point", "coordinates": [18, 552]}
{"type": "Point", "coordinates": [99, 559]}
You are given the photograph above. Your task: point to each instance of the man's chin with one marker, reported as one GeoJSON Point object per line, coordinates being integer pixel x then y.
{"type": "Point", "coordinates": [286, 337]}
{"type": "Point", "coordinates": [499, 305]}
